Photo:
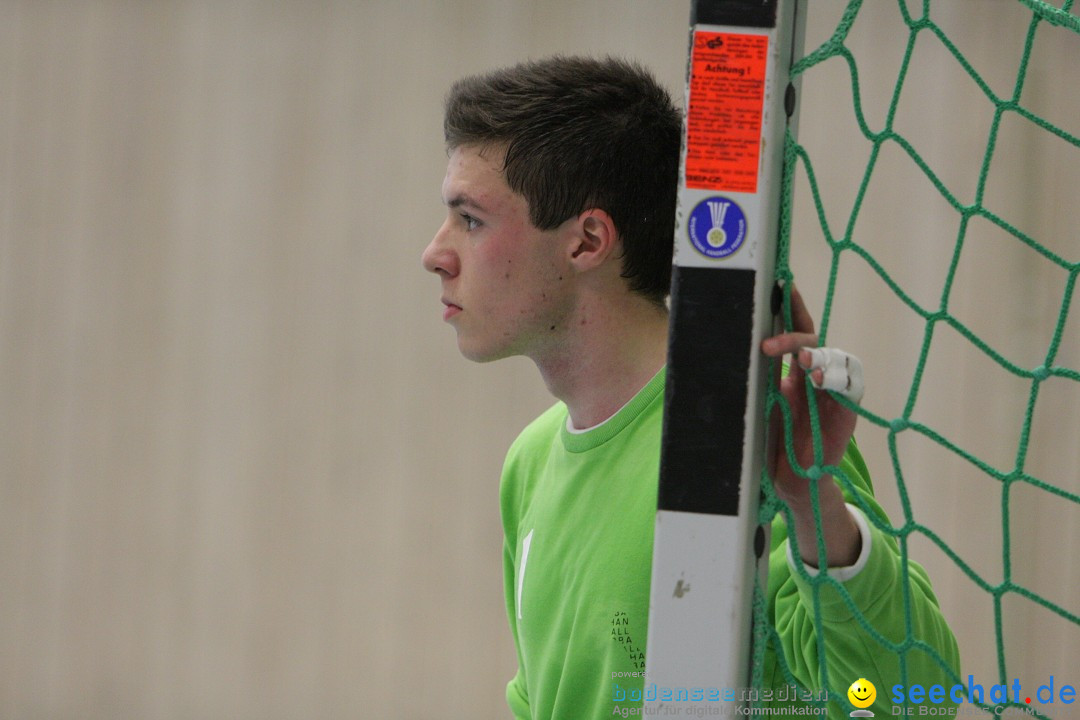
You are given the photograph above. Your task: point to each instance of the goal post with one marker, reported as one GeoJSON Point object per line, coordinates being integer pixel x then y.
{"type": "Point", "coordinates": [708, 543]}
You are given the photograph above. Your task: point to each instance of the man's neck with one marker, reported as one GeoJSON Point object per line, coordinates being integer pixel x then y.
{"type": "Point", "coordinates": [610, 352]}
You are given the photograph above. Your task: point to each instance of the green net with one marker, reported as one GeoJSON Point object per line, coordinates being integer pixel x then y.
{"type": "Point", "coordinates": [921, 20]}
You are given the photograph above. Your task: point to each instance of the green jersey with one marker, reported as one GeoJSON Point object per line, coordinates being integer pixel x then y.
{"type": "Point", "coordinates": [578, 512]}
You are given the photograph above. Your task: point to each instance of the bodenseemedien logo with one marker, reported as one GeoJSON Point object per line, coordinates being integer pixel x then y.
{"type": "Point", "coordinates": [862, 694]}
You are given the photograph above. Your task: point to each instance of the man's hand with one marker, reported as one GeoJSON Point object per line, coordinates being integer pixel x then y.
{"type": "Point", "coordinates": [835, 370]}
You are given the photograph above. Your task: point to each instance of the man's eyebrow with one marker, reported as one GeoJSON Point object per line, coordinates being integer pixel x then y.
{"type": "Point", "coordinates": [464, 200]}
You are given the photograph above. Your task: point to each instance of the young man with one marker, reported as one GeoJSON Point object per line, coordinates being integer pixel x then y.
{"type": "Point", "coordinates": [560, 191]}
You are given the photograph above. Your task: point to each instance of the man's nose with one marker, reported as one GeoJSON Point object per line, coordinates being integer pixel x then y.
{"type": "Point", "coordinates": [439, 256]}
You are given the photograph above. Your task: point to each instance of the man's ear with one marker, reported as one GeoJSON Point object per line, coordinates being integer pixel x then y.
{"type": "Point", "coordinates": [595, 239]}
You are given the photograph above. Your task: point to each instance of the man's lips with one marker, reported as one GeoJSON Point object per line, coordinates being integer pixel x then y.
{"type": "Point", "coordinates": [451, 309]}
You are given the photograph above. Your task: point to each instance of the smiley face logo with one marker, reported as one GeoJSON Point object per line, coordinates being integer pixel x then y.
{"type": "Point", "coordinates": [862, 693]}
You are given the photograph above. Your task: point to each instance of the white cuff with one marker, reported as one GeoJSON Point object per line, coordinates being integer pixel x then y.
{"type": "Point", "coordinates": [844, 573]}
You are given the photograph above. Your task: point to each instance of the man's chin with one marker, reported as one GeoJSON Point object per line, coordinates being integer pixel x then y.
{"type": "Point", "coordinates": [479, 357]}
{"type": "Point", "coordinates": [481, 354]}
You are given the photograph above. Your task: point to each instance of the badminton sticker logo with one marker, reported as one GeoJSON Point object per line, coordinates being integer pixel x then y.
{"type": "Point", "coordinates": [717, 227]}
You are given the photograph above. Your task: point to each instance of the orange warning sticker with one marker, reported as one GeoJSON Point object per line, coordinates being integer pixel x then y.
{"type": "Point", "coordinates": [727, 94]}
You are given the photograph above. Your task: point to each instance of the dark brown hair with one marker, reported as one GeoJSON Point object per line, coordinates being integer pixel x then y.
{"type": "Point", "coordinates": [583, 133]}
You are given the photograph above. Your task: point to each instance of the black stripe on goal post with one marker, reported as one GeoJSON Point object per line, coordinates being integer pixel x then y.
{"type": "Point", "coordinates": [705, 555]}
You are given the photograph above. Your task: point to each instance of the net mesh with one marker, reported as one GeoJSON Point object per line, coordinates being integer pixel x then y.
{"type": "Point", "coordinates": [918, 20]}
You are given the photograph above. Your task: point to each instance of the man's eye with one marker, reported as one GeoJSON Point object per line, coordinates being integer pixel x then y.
{"type": "Point", "coordinates": [471, 223]}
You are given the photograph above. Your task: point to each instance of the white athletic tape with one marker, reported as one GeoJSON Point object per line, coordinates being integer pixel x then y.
{"type": "Point", "coordinates": [842, 372]}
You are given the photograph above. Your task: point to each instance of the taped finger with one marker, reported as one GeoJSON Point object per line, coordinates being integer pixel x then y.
{"type": "Point", "coordinates": [841, 372]}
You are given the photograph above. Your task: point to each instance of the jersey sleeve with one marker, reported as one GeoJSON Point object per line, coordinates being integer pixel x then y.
{"type": "Point", "coordinates": [859, 622]}
{"type": "Point", "coordinates": [517, 695]}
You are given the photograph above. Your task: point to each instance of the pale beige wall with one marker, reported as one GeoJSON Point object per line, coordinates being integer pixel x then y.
{"type": "Point", "coordinates": [244, 472]}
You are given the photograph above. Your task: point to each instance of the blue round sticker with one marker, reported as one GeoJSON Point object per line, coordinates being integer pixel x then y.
{"type": "Point", "coordinates": [717, 227]}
